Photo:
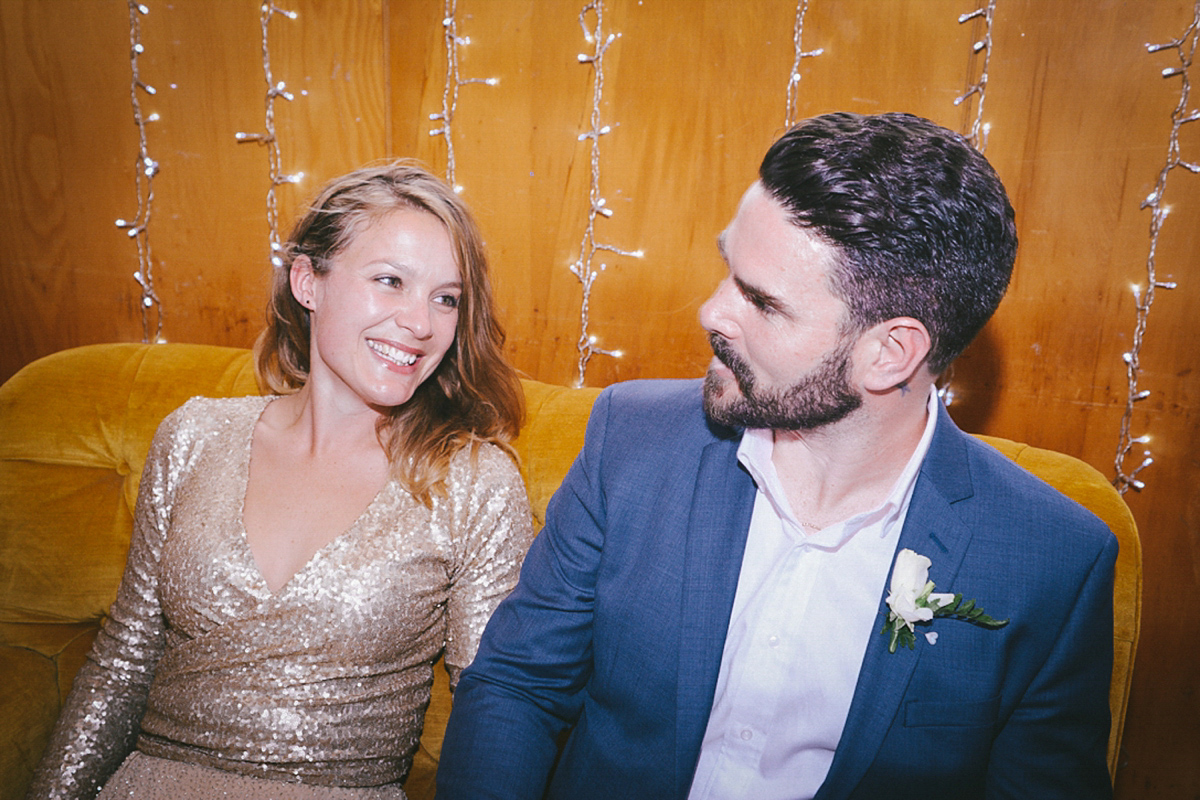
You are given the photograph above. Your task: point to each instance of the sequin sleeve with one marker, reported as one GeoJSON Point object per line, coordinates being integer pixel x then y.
{"type": "Point", "coordinates": [494, 528]}
{"type": "Point", "coordinates": [99, 723]}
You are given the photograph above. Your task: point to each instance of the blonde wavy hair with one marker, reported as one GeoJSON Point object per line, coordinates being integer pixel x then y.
{"type": "Point", "coordinates": [473, 396]}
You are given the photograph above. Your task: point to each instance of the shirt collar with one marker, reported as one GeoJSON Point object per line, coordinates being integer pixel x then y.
{"type": "Point", "coordinates": [758, 444]}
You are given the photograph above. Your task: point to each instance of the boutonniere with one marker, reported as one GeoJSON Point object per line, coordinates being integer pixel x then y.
{"type": "Point", "coordinates": [912, 600]}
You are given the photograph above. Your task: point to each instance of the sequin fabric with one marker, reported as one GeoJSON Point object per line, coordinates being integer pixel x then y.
{"type": "Point", "coordinates": [324, 682]}
{"type": "Point", "coordinates": [143, 777]}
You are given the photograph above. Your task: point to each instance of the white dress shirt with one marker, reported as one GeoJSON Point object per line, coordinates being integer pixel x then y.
{"type": "Point", "coordinates": [805, 608]}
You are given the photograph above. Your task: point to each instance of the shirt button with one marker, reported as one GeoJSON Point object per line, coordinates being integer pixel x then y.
{"type": "Point", "coordinates": [747, 734]}
{"type": "Point", "coordinates": [773, 641]}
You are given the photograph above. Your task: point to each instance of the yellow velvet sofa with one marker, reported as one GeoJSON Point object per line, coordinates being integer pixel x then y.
{"type": "Point", "coordinates": [74, 430]}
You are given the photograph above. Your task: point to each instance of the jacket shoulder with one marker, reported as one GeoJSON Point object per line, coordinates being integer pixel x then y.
{"type": "Point", "coordinates": [659, 411]}
{"type": "Point", "coordinates": [1009, 491]}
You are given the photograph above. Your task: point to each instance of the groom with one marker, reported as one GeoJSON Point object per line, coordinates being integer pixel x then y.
{"type": "Point", "coordinates": [710, 609]}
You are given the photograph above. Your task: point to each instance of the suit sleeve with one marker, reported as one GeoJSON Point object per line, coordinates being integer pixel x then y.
{"type": "Point", "coordinates": [1054, 745]}
{"type": "Point", "coordinates": [525, 686]}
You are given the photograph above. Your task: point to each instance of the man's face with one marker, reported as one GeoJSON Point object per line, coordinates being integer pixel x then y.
{"type": "Point", "coordinates": [782, 357]}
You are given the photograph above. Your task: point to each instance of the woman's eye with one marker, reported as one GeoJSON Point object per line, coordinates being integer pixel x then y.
{"type": "Point", "coordinates": [448, 300]}
{"type": "Point", "coordinates": [392, 281]}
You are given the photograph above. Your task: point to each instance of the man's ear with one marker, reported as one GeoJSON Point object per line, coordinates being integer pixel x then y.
{"type": "Point", "coordinates": [303, 280]}
{"type": "Point", "coordinates": [898, 348]}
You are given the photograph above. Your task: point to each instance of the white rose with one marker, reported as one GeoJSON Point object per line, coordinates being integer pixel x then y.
{"type": "Point", "coordinates": [910, 597]}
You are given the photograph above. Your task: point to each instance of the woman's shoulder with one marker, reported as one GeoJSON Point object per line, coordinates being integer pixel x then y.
{"type": "Point", "coordinates": [486, 461]}
{"type": "Point", "coordinates": [221, 409]}
{"type": "Point", "coordinates": [203, 417]}
{"type": "Point", "coordinates": [482, 475]}
{"type": "Point", "coordinates": [485, 503]}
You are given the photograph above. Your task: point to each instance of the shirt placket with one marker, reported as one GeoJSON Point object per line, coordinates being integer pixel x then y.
{"type": "Point", "coordinates": [771, 642]}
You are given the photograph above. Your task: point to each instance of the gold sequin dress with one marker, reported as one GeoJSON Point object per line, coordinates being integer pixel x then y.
{"type": "Point", "coordinates": [323, 683]}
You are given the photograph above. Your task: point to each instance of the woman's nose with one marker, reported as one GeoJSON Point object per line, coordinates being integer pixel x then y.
{"type": "Point", "coordinates": [415, 317]}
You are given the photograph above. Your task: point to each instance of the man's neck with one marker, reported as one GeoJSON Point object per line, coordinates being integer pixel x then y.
{"type": "Point", "coordinates": [850, 466]}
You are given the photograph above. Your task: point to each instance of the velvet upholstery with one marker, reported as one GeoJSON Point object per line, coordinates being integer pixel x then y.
{"type": "Point", "coordinates": [74, 430]}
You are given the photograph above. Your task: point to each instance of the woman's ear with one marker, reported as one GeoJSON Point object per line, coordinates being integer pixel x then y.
{"type": "Point", "coordinates": [303, 280]}
{"type": "Point", "coordinates": [899, 348]}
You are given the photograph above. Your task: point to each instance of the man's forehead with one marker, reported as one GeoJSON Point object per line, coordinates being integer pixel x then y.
{"type": "Point", "coordinates": [765, 223]}
{"type": "Point", "coordinates": [773, 261]}
{"type": "Point", "coordinates": [721, 245]}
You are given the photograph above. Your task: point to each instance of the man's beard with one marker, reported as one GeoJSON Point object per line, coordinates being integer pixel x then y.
{"type": "Point", "coordinates": [821, 397]}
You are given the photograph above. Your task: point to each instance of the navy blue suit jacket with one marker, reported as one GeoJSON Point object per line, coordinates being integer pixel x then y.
{"type": "Point", "coordinates": [618, 623]}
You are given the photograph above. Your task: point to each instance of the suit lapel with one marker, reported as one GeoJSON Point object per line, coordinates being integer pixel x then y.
{"type": "Point", "coordinates": [932, 529]}
{"type": "Point", "coordinates": [716, 540]}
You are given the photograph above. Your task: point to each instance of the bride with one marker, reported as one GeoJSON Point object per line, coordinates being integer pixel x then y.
{"type": "Point", "coordinates": [300, 560]}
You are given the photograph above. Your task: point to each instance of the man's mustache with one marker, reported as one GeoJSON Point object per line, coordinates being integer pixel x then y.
{"type": "Point", "coordinates": [725, 353]}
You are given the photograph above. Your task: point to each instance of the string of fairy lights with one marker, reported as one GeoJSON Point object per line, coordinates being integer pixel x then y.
{"type": "Point", "coordinates": [1185, 49]}
{"type": "Point", "coordinates": [145, 169]}
{"type": "Point", "coordinates": [979, 130]}
{"type": "Point", "coordinates": [275, 90]}
{"type": "Point", "coordinates": [589, 265]}
{"type": "Point", "coordinates": [454, 82]}
{"type": "Point", "coordinates": [976, 136]}
{"type": "Point", "coordinates": [585, 267]}
{"type": "Point", "coordinates": [793, 84]}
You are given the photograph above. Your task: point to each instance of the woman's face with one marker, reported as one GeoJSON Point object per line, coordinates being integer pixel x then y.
{"type": "Point", "coordinates": [385, 313]}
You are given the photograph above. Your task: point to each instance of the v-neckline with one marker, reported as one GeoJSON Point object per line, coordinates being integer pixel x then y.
{"type": "Point", "coordinates": [318, 554]}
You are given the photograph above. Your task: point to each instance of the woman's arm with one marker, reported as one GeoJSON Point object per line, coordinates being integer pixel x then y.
{"type": "Point", "coordinates": [491, 541]}
{"type": "Point", "coordinates": [99, 723]}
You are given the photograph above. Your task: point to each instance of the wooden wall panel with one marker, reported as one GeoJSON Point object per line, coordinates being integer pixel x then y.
{"type": "Point", "coordinates": [70, 150]}
{"type": "Point", "coordinates": [64, 150]}
{"type": "Point", "coordinates": [209, 226]}
{"type": "Point", "coordinates": [695, 90]}
{"type": "Point", "coordinates": [215, 236]}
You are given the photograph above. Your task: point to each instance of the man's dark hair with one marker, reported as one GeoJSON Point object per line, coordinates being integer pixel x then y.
{"type": "Point", "coordinates": [921, 223]}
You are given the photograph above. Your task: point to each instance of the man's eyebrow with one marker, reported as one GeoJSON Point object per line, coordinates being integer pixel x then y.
{"type": "Point", "coordinates": [757, 297]}
{"type": "Point", "coordinates": [760, 299]}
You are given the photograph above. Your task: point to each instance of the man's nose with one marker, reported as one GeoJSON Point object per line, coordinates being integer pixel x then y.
{"type": "Point", "coordinates": [713, 312]}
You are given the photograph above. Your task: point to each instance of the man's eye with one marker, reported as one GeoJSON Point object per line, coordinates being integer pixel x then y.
{"type": "Point", "coordinates": [390, 280]}
{"type": "Point", "coordinates": [761, 304]}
